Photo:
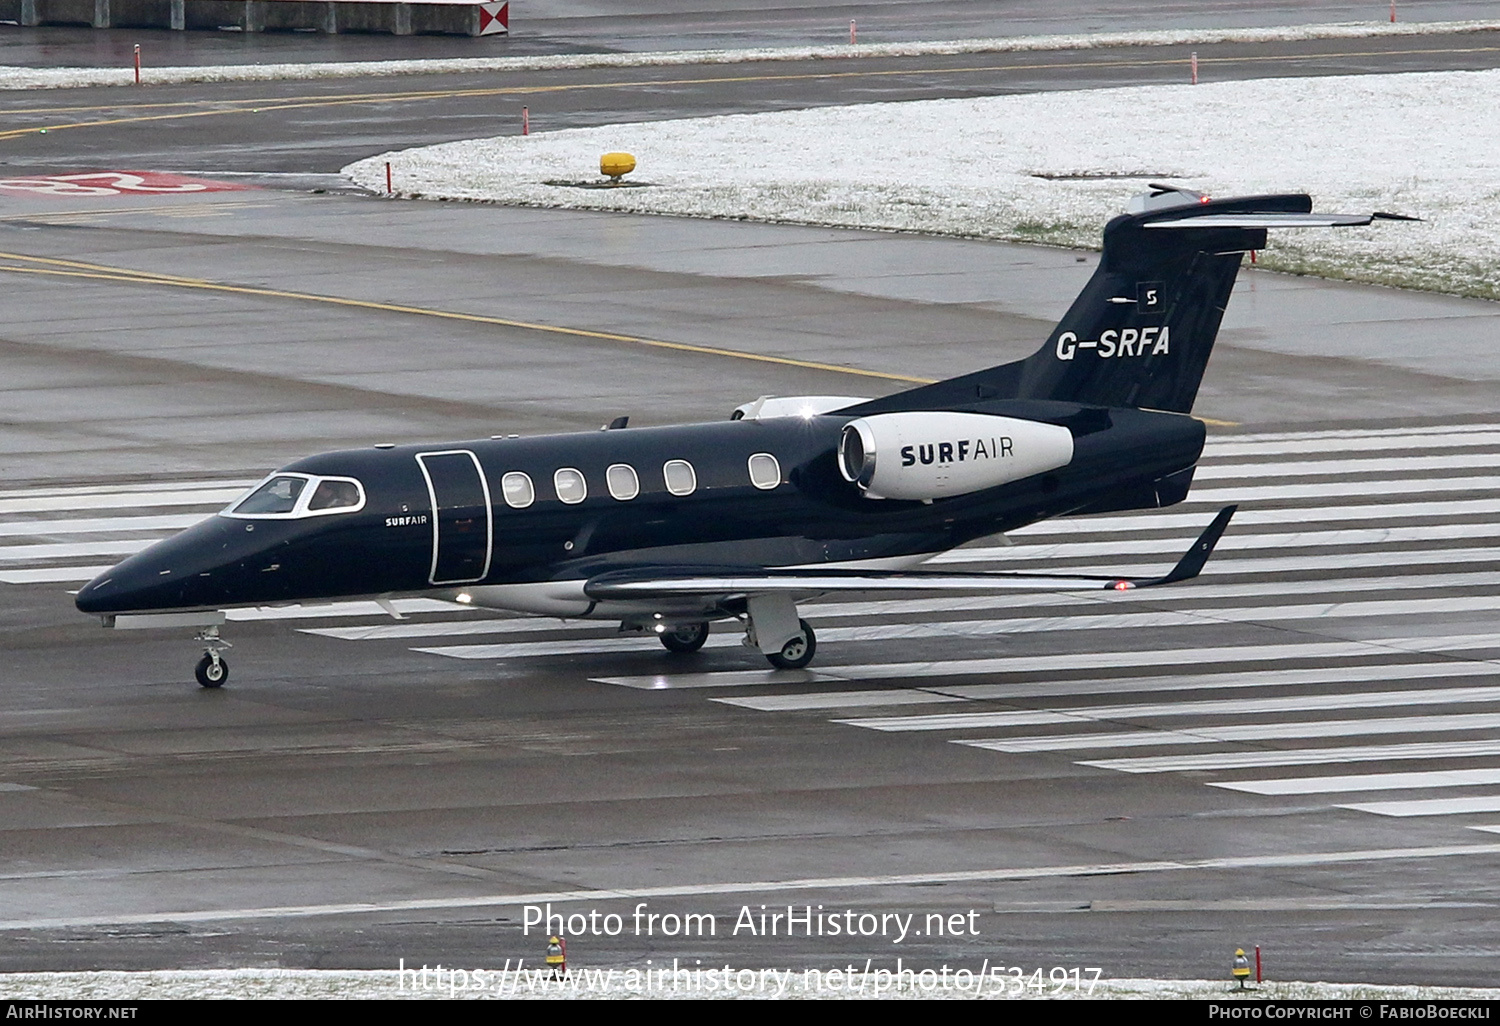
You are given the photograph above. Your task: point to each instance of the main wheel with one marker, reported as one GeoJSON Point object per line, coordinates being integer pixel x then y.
{"type": "Point", "coordinates": [798, 652]}
{"type": "Point", "coordinates": [689, 637]}
{"type": "Point", "coordinates": [212, 674]}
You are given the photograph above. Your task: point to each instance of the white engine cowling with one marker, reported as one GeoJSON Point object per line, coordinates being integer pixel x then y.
{"type": "Point", "coordinates": [931, 455]}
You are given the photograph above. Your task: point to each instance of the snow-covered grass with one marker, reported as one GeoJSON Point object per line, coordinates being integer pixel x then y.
{"type": "Point", "coordinates": [620, 983]}
{"type": "Point", "coordinates": [12, 77]}
{"type": "Point", "coordinates": [1052, 167]}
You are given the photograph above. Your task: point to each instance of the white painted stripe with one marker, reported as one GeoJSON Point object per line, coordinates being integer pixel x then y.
{"type": "Point", "coordinates": [1231, 543]}
{"type": "Point", "coordinates": [1042, 664]}
{"type": "Point", "coordinates": [73, 550]}
{"type": "Point", "coordinates": [124, 489]}
{"type": "Point", "coordinates": [1299, 757]}
{"type": "Point", "coordinates": [1396, 440]}
{"type": "Point", "coordinates": [1311, 563]}
{"type": "Point", "coordinates": [1281, 436]}
{"type": "Point", "coordinates": [98, 525]}
{"type": "Point", "coordinates": [1215, 707]}
{"type": "Point", "coordinates": [1246, 518]}
{"type": "Point", "coordinates": [719, 679]}
{"type": "Point", "coordinates": [1238, 732]}
{"type": "Point", "coordinates": [825, 883]}
{"type": "Point", "coordinates": [1391, 673]}
{"type": "Point", "coordinates": [586, 646]}
{"type": "Point", "coordinates": [1378, 465]}
{"type": "Point", "coordinates": [214, 497]}
{"type": "Point", "coordinates": [1365, 782]}
{"type": "Point", "coordinates": [1338, 489]}
{"type": "Point", "coordinates": [312, 611]}
{"type": "Point", "coordinates": [1430, 806]}
{"type": "Point", "coordinates": [837, 700]}
{"type": "Point", "coordinates": [52, 574]}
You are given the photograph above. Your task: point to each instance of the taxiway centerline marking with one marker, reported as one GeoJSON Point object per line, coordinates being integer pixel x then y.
{"type": "Point", "coordinates": [834, 883]}
{"type": "Point", "coordinates": [606, 336]}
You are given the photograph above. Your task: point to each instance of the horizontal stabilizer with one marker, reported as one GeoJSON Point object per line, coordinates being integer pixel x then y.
{"type": "Point", "coordinates": [647, 583]}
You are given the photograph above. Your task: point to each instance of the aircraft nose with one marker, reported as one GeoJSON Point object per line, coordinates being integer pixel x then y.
{"type": "Point", "coordinates": [175, 573]}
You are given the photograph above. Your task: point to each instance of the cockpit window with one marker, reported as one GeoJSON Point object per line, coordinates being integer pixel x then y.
{"type": "Point", "coordinates": [291, 496]}
{"type": "Point", "coordinates": [334, 495]}
{"type": "Point", "coordinates": [278, 495]}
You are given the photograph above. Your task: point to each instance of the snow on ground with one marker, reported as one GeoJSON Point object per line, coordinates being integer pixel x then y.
{"type": "Point", "coordinates": [1051, 167]}
{"type": "Point", "coordinates": [12, 77]}
{"type": "Point", "coordinates": [630, 982]}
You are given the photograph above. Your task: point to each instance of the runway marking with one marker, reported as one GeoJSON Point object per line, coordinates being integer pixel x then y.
{"type": "Point", "coordinates": [1042, 664]}
{"type": "Point", "coordinates": [1252, 732]}
{"type": "Point", "coordinates": [97, 525]}
{"type": "Point", "coordinates": [838, 700]}
{"type": "Point", "coordinates": [1364, 782]}
{"type": "Point", "coordinates": [1386, 672]}
{"type": "Point", "coordinates": [1358, 432]}
{"type": "Point", "coordinates": [122, 489]}
{"type": "Point", "coordinates": [126, 500]}
{"type": "Point", "coordinates": [1231, 543]}
{"type": "Point", "coordinates": [457, 628]}
{"type": "Point", "coordinates": [52, 575]}
{"type": "Point", "coordinates": [1254, 517]}
{"type": "Point", "coordinates": [1248, 446]}
{"type": "Point", "coordinates": [103, 273]}
{"type": "Point", "coordinates": [1378, 465]}
{"type": "Point", "coordinates": [1165, 710]}
{"type": "Point", "coordinates": [121, 547]}
{"type": "Point", "coordinates": [1298, 757]}
{"type": "Point", "coordinates": [831, 883]}
{"type": "Point", "coordinates": [265, 104]}
{"type": "Point", "coordinates": [1430, 806]}
{"type": "Point", "coordinates": [1336, 489]}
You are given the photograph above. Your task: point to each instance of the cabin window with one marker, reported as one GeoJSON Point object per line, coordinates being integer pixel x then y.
{"type": "Point", "coordinates": [278, 495]}
{"type": "Point", "coordinates": [570, 485]}
{"type": "Point", "coordinates": [681, 480]}
{"type": "Point", "coordinates": [332, 494]}
{"type": "Point", "coordinates": [623, 482]}
{"type": "Point", "coordinates": [765, 472]}
{"type": "Point", "coordinates": [517, 489]}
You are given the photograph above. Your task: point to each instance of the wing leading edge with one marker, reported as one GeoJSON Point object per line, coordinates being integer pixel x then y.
{"type": "Point", "coordinates": [648, 583]}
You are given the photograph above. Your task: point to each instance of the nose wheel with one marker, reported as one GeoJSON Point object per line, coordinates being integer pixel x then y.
{"type": "Point", "coordinates": [213, 669]}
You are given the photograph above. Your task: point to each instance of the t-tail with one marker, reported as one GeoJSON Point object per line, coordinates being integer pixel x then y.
{"type": "Point", "coordinates": [1141, 331]}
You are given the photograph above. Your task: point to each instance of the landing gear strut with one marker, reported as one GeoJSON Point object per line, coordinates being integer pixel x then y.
{"type": "Point", "coordinates": [213, 669]}
{"type": "Point", "coordinates": [688, 637]}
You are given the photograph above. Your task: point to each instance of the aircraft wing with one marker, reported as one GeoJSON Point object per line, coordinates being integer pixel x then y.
{"type": "Point", "coordinates": [680, 582]}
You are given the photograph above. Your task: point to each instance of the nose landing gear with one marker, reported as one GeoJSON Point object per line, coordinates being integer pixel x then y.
{"type": "Point", "coordinates": [213, 669]}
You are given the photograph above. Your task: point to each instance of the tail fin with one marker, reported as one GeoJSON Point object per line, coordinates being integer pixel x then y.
{"type": "Point", "coordinates": [1140, 332]}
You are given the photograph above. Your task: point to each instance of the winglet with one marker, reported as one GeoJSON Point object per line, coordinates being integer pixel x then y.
{"type": "Point", "coordinates": [1192, 561]}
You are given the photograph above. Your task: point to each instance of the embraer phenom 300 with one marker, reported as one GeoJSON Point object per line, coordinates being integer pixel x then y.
{"type": "Point", "coordinates": [669, 529]}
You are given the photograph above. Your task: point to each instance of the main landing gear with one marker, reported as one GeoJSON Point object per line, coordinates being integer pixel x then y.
{"type": "Point", "coordinates": [213, 669]}
{"type": "Point", "coordinates": [773, 627]}
{"type": "Point", "coordinates": [688, 637]}
{"type": "Point", "coordinates": [798, 652]}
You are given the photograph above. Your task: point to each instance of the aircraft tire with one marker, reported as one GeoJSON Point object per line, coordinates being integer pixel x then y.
{"type": "Point", "coordinates": [687, 638]}
{"type": "Point", "coordinates": [798, 652]}
{"type": "Point", "coordinates": [209, 675]}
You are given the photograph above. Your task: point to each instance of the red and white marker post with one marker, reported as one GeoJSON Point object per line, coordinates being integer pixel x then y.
{"type": "Point", "coordinates": [388, 190]}
{"type": "Point", "coordinates": [525, 121]}
{"type": "Point", "coordinates": [1194, 63]}
{"type": "Point", "coordinates": [1393, 12]}
{"type": "Point", "coordinates": [853, 36]}
{"type": "Point", "coordinates": [137, 63]}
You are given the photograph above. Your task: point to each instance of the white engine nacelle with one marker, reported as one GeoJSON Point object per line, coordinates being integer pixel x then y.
{"type": "Point", "coordinates": [922, 455]}
{"type": "Point", "coordinates": [808, 406]}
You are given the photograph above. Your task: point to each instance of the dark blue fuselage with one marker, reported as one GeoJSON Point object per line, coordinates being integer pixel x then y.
{"type": "Point", "coordinates": [401, 540]}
